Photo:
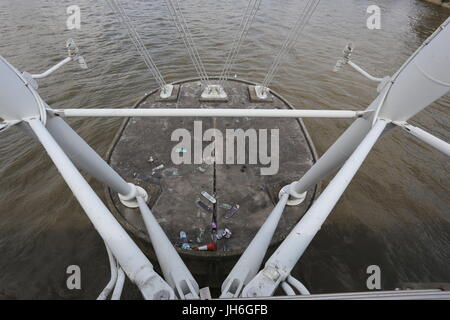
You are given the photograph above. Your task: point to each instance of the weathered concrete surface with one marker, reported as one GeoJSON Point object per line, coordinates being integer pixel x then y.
{"type": "Point", "coordinates": [175, 189]}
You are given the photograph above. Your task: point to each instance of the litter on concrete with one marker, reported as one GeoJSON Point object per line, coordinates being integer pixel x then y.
{"type": "Point", "coordinates": [160, 167]}
{"type": "Point", "coordinates": [208, 247]}
{"type": "Point", "coordinates": [225, 206]}
{"type": "Point", "coordinates": [205, 207]}
{"type": "Point", "coordinates": [209, 197]}
{"type": "Point", "coordinates": [172, 172]}
{"type": "Point", "coordinates": [231, 212]}
{"type": "Point", "coordinates": [223, 233]}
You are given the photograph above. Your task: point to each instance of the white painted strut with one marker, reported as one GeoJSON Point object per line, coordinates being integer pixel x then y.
{"type": "Point", "coordinates": [112, 282]}
{"type": "Point", "coordinates": [297, 285]}
{"type": "Point", "coordinates": [118, 288]}
{"type": "Point", "coordinates": [52, 69]}
{"type": "Point", "coordinates": [423, 79]}
{"type": "Point", "coordinates": [85, 158]}
{"type": "Point", "coordinates": [426, 137]}
{"type": "Point", "coordinates": [130, 257]}
{"type": "Point", "coordinates": [281, 263]}
{"type": "Point", "coordinates": [175, 271]}
{"type": "Point", "coordinates": [364, 73]}
{"type": "Point", "coordinates": [250, 261]}
{"type": "Point", "coordinates": [330, 161]}
{"type": "Point", "coordinates": [261, 113]}
{"type": "Point", "coordinates": [287, 289]}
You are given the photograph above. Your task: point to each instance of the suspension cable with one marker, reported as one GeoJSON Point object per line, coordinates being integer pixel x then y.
{"type": "Point", "coordinates": [247, 20]}
{"type": "Point", "coordinates": [290, 41]}
{"type": "Point", "coordinates": [137, 41]}
{"type": "Point", "coordinates": [183, 28]}
{"type": "Point", "coordinates": [180, 29]}
{"type": "Point", "coordinates": [286, 45]}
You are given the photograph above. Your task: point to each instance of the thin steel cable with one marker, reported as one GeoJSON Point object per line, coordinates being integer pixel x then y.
{"type": "Point", "coordinates": [290, 44]}
{"type": "Point", "coordinates": [189, 35]}
{"type": "Point", "coordinates": [184, 30]}
{"type": "Point", "coordinates": [290, 41]}
{"type": "Point", "coordinates": [282, 50]}
{"type": "Point", "coordinates": [182, 33]}
{"type": "Point", "coordinates": [247, 20]}
{"type": "Point", "coordinates": [239, 36]}
{"type": "Point", "coordinates": [137, 41]}
{"type": "Point", "coordinates": [143, 47]}
{"type": "Point", "coordinates": [181, 30]}
{"type": "Point", "coordinates": [134, 36]}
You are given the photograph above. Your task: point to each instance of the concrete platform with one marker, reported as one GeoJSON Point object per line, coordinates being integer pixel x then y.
{"type": "Point", "coordinates": [175, 189]}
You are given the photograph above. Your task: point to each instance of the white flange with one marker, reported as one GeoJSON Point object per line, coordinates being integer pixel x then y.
{"type": "Point", "coordinates": [295, 199]}
{"type": "Point", "coordinates": [214, 91]}
{"type": "Point", "coordinates": [166, 91]}
{"type": "Point", "coordinates": [130, 200]}
{"type": "Point", "coordinates": [261, 92]}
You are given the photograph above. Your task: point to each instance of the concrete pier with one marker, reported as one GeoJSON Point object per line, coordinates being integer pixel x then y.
{"type": "Point", "coordinates": [141, 153]}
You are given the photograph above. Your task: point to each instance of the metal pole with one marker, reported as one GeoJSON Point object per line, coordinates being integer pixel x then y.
{"type": "Point", "coordinates": [250, 261]}
{"type": "Point", "coordinates": [85, 158]}
{"type": "Point", "coordinates": [175, 271]}
{"type": "Point", "coordinates": [263, 113]}
{"type": "Point", "coordinates": [331, 160]}
{"type": "Point", "coordinates": [52, 69]}
{"type": "Point", "coordinates": [281, 263]}
{"type": "Point", "coordinates": [112, 282]}
{"type": "Point", "coordinates": [364, 73]}
{"type": "Point", "coordinates": [426, 137]}
{"type": "Point", "coordinates": [297, 285]}
{"type": "Point", "coordinates": [287, 289]}
{"type": "Point", "coordinates": [131, 259]}
{"type": "Point", "coordinates": [118, 288]}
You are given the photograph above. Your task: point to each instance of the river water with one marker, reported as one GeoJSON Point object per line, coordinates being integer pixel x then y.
{"type": "Point", "coordinates": [395, 214]}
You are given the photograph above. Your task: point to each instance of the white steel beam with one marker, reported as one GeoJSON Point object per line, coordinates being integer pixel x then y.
{"type": "Point", "coordinates": [52, 69]}
{"type": "Point", "coordinates": [426, 137]}
{"type": "Point", "coordinates": [280, 264]}
{"type": "Point", "coordinates": [364, 73]}
{"type": "Point", "coordinates": [84, 157]}
{"type": "Point", "coordinates": [129, 256]}
{"type": "Point", "coordinates": [250, 261]}
{"type": "Point", "coordinates": [261, 113]}
{"type": "Point", "coordinates": [175, 271]}
{"type": "Point", "coordinates": [112, 282]}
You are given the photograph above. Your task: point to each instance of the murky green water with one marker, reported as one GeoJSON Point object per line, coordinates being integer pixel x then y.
{"type": "Point", "coordinates": [395, 214]}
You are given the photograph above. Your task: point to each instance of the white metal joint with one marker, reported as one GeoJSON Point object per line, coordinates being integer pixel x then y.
{"type": "Point", "coordinates": [262, 92]}
{"type": "Point", "coordinates": [295, 198]}
{"type": "Point", "coordinates": [214, 91]}
{"type": "Point", "coordinates": [130, 200]}
{"type": "Point", "coordinates": [166, 91]}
